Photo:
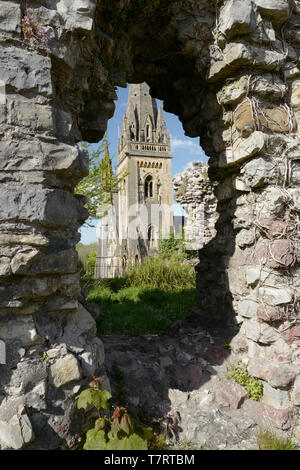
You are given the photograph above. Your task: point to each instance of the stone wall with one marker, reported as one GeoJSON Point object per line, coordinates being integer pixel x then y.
{"type": "Point", "coordinates": [194, 192]}
{"type": "Point", "coordinates": [231, 74]}
{"type": "Point", "coordinates": [255, 155]}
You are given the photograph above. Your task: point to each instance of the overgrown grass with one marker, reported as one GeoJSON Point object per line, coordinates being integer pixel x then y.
{"type": "Point", "coordinates": [268, 440]}
{"type": "Point", "coordinates": [162, 273]}
{"type": "Point", "coordinates": [149, 300]}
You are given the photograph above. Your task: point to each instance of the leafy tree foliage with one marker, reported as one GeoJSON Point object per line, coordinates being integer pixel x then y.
{"type": "Point", "coordinates": [102, 181]}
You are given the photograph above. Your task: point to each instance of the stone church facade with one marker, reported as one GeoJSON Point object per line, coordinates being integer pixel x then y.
{"type": "Point", "coordinates": [141, 211]}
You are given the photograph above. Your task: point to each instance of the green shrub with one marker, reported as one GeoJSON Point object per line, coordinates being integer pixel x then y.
{"type": "Point", "coordinates": [174, 247]}
{"type": "Point", "coordinates": [268, 440]}
{"type": "Point", "coordinates": [162, 273]}
{"type": "Point", "coordinates": [90, 263]}
{"type": "Point", "coordinates": [240, 375]}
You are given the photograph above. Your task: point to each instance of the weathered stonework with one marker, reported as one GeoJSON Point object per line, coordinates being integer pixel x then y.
{"type": "Point", "coordinates": [232, 77]}
{"type": "Point", "coordinates": [195, 193]}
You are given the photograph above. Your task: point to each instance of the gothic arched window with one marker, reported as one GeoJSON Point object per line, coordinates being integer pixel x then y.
{"type": "Point", "coordinates": [150, 233]}
{"type": "Point", "coordinates": [149, 186]}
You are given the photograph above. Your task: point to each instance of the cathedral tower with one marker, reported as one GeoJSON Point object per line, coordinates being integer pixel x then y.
{"type": "Point", "coordinates": [143, 206]}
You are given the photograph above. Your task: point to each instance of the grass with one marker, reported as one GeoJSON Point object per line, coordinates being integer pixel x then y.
{"type": "Point", "coordinates": [162, 273]}
{"type": "Point", "coordinates": [141, 310]}
{"type": "Point", "coordinates": [268, 440]}
{"type": "Point", "coordinates": [149, 300]}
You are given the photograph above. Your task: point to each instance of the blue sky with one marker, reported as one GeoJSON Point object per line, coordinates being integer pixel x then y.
{"type": "Point", "coordinates": [184, 149]}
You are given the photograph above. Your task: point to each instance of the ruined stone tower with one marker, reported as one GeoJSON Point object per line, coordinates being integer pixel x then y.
{"type": "Point", "coordinates": [141, 212]}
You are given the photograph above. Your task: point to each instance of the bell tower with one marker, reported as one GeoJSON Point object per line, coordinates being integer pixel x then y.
{"type": "Point", "coordinates": [144, 201]}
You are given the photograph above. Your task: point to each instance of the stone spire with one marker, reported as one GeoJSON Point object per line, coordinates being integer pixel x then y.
{"type": "Point", "coordinates": [162, 133]}
{"type": "Point", "coordinates": [142, 121]}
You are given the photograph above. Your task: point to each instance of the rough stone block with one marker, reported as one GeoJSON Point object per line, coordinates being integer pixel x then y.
{"type": "Point", "coordinates": [277, 10]}
{"type": "Point", "coordinates": [280, 418]}
{"type": "Point", "coordinates": [17, 432]}
{"type": "Point", "coordinates": [267, 277]}
{"type": "Point", "coordinates": [295, 197]}
{"type": "Point", "coordinates": [243, 149]}
{"type": "Point", "coordinates": [260, 172]}
{"type": "Point", "coordinates": [247, 308]}
{"type": "Point", "coordinates": [295, 394]}
{"type": "Point", "coordinates": [41, 206]}
{"type": "Point", "coordinates": [25, 70]}
{"type": "Point", "coordinates": [274, 119]}
{"type": "Point", "coordinates": [29, 114]}
{"type": "Point", "coordinates": [276, 375]}
{"type": "Point", "coordinates": [273, 296]}
{"type": "Point", "coordinates": [77, 15]}
{"type": "Point", "coordinates": [267, 85]}
{"type": "Point", "coordinates": [236, 55]}
{"type": "Point", "coordinates": [79, 322]}
{"type": "Point", "coordinates": [22, 329]}
{"type": "Point", "coordinates": [295, 94]}
{"type": "Point", "coordinates": [291, 334]}
{"type": "Point", "coordinates": [36, 155]}
{"type": "Point", "coordinates": [245, 238]}
{"type": "Point", "coordinates": [291, 72]}
{"type": "Point", "coordinates": [230, 393]}
{"type": "Point", "coordinates": [65, 370]}
{"type": "Point", "coordinates": [10, 17]}
{"type": "Point", "coordinates": [269, 314]}
{"type": "Point", "coordinates": [276, 398]}
{"type": "Point", "coordinates": [92, 358]}
{"type": "Point", "coordinates": [28, 374]}
{"type": "Point", "coordinates": [271, 202]}
{"type": "Point", "coordinates": [283, 252]}
{"type": "Point", "coordinates": [237, 17]}
{"type": "Point", "coordinates": [260, 332]}
{"type": "Point", "coordinates": [232, 93]}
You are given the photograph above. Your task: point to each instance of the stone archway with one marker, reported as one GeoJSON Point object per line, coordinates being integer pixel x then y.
{"type": "Point", "coordinates": [230, 73]}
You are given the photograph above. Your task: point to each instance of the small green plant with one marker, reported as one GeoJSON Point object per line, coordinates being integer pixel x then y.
{"type": "Point", "coordinates": [44, 356]}
{"type": "Point", "coordinates": [33, 33]}
{"type": "Point", "coordinates": [120, 432]}
{"type": "Point", "coordinates": [240, 375]}
{"type": "Point", "coordinates": [268, 440]}
{"type": "Point", "coordinates": [227, 345]}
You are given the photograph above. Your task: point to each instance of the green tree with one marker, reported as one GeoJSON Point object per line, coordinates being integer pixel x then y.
{"type": "Point", "coordinates": [102, 181]}
{"type": "Point", "coordinates": [90, 264]}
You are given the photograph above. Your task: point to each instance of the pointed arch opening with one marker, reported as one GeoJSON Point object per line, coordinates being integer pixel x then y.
{"type": "Point", "coordinates": [148, 187]}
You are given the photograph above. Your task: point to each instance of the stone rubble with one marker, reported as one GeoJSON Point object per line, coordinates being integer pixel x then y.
{"type": "Point", "coordinates": [185, 373]}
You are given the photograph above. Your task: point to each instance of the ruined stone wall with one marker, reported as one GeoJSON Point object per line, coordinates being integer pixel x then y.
{"type": "Point", "coordinates": [231, 74]}
{"type": "Point", "coordinates": [255, 154]}
{"type": "Point", "coordinates": [51, 347]}
{"type": "Point", "coordinates": [194, 192]}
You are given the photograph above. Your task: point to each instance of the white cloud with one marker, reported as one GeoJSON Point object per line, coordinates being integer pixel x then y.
{"type": "Point", "coordinates": [189, 145]}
